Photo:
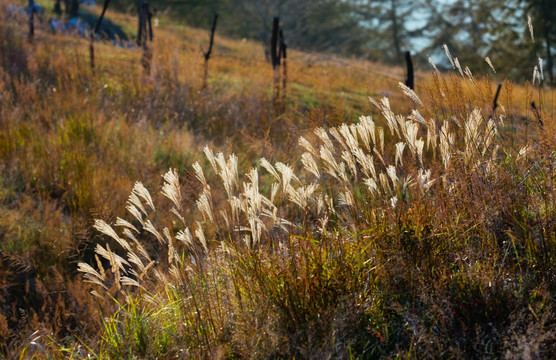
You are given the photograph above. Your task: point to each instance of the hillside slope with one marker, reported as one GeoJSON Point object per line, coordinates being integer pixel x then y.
{"type": "Point", "coordinates": [430, 233]}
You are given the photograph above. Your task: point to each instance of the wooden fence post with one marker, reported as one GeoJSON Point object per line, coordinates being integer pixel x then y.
{"type": "Point", "coordinates": [274, 57]}
{"type": "Point", "coordinates": [495, 103]}
{"type": "Point", "coordinates": [142, 36]}
{"type": "Point", "coordinates": [538, 114]}
{"type": "Point", "coordinates": [31, 20]}
{"type": "Point", "coordinates": [209, 51]}
{"type": "Point", "coordinates": [410, 81]}
{"type": "Point", "coordinates": [95, 30]}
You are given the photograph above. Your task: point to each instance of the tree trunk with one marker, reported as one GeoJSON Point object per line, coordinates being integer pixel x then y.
{"type": "Point", "coordinates": [58, 7]}
{"type": "Point", "coordinates": [74, 8]}
{"type": "Point", "coordinates": [395, 29]}
{"type": "Point", "coordinates": [209, 51]}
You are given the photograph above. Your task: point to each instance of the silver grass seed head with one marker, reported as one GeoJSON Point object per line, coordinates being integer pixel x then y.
{"type": "Point", "coordinates": [332, 166]}
{"type": "Point", "coordinates": [380, 131]}
{"type": "Point", "coordinates": [323, 136]}
{"type": "Point", "coordinates": [133, 201]}
{"type": "Point", "coordinates": [125, 224]}
{"type": "Point", "coordinates": [458, 66]}
{"type": "Point", "coordinates": [384, 107]}
{"type": "Point", "coordinates": [171, 188]}
{"type": "Point", "coordinates": [136, 260]}
{"type": "Point", "coordinates": [210, 157]}
{"type": "Point", "coordinates": [448, 55]}
{"type": "Point", "coordinates": [116, 261]}
{"type": "Point", "coordinates": [391, 171]}
{"type": "Point", "coordinates": [417, 117]}
{"type": "Point", "coordinates": [384, 182]}
{"type": "Point", "coordinates": [132, 209]}
{"type": "Point", "coordinates": [149, 266]}
{"type": "Point", "coordinates": [489, 62]}
{"type": "Point", "coordinates": [349, 160]}
{"type": "Point", "coordinates": [419, 145]}
{"type": "Point", "coordinates": [178, 215]}
{"type": "Point", "coordinates": [107, 230]}
{"type": "Point", "coordinates": [536, 74]}
{"type": "Point", "coordinates": [530, 25]}
{"type": "Point", "coordinates": [268, 167]}
{"type": "Point", "coordinates": [273, 191]}
{"type": "Point", "coordinates": [88, 270]}
{"type": "Point", "coordinates": [310, 164]}
{"type": "Point", "coordinates": [204, 205]}
{"type": "Point", "coordinates": [431, 61]}
{"type": "Point", "coordinates": [287, 175]}
{"type": "Point", "coordinates": [399, 153]}
{"type": "Point", "coordinates": [303, 195]}
{"type": "Point", "coordinates": [307, 146]}
{"type": "Point", "coordinates": [186, 237]}
{"type": "Point", "coordinates": [346, 198]}
{"type": "Point", "coordinates": [410, 94]}
{"type": "Point", "coordinates": [371, 185]}
{"type": "Point", "coordinates": [150, 228]}
{"type": "Point", "coordinates": [366, 130]}
{"type": "Point", "coordinates": [143, 193]}
{"type": "Point", "coordinates": [339, 138]}
{"type": "Point", "coordinates": [200, 175]}
{"type": "Point", "coordinates": [350, 136]}
{"type": "Point", "coordinates": [127, 281]}
{"type": "Point", "coordinates": [470, 75]}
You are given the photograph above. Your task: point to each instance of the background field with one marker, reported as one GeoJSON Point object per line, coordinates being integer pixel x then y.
{"type": "Point", "coordinates": [422, 226]}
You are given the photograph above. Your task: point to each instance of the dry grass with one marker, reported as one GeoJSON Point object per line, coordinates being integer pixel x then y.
{"type": "Point", "coordinates": [425, 229]}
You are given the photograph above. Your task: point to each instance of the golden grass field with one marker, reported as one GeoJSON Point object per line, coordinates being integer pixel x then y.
{"type": "Point", "coordinates": [142, 216]}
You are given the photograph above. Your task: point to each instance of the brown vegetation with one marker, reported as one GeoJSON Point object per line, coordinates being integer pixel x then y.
{"type": "Point", "coordinates": [424, 230]}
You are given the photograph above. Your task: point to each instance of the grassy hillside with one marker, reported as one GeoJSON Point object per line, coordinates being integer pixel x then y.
{"type": "Point", "coordinates": [420, 224]}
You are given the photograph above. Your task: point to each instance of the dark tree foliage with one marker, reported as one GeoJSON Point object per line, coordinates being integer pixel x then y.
{"type": "Point", "coordinates": [383, 30]}
{"type": "Point", "coordinates": [71, 7]}
{"type": "Point", "coordinates": [543, 13]}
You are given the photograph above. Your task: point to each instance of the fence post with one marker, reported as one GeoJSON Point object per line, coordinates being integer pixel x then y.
{"type": "Point", "coordinates": [538, 114]}
{"type": "Point", "coordinates": [95, 30]}
{"type": "Point", "coordinates": [274, 57]}
{"type": "Point", "coordinates": [410, 81]}
{"type": "Point", "coordinates": [144, 15]}
{"type": "Point", "coordinates": [31, 20]}
{"type": "Point", "coordinates": [209, 51]}
{"type": "Point", "coordinates": [495, 103]}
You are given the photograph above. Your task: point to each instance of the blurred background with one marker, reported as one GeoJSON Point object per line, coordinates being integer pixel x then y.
{"type": "Point", "coordinates": [382, 30]}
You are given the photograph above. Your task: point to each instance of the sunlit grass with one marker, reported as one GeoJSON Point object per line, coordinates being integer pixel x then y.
{"type": "Point", "coordinates": [426, 230]}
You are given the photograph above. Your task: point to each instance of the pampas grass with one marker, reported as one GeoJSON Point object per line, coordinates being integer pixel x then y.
{"type": "Point", "coordinates": [153, 220]}
{"type": "Point", "coordinates": [336, 190]}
